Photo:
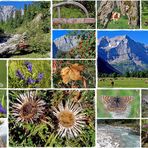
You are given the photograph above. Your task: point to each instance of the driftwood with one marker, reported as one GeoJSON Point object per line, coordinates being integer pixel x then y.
{"type": "Point", "coordinates": [57, 21]}
{"type": "Point", "coordinates": [13, 45]}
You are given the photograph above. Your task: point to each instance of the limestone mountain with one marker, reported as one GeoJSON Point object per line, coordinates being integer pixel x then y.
{"type": "Point", "coordinates": [65, 42]}
{"type": "Point", "coordinates": [123, 53]}
{"type": "Point", "coordinates": [6, 12]}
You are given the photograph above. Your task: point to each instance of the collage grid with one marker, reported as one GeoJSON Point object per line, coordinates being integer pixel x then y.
{"type": "Point", "coordinates": [96, 88]}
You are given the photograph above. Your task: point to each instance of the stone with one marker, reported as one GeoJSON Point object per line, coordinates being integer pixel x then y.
{"type": "Point", "coordinates": [65, 43]}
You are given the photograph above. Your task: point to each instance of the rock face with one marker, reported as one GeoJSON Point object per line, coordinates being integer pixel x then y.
{"type": "Point", "coordinates": [129, 8]}
{"type": "Point", "coordinates": [65, 43]}
{"type": "Point", "coordinates": [6, 12]}
{"type": "Point", "coordinates": [123, 53]}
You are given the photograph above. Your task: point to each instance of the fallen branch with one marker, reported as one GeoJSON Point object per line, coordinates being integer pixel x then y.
{"type": "Point", "coordinates": [57, 21]}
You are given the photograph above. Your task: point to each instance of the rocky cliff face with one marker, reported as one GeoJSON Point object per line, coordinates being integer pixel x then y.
{"type": "Point", "coordinates": [123, 53]}
{"type": "Point", "coordinates": [65, 43]}
{"type": "Point", "coordinates": [6, 12]}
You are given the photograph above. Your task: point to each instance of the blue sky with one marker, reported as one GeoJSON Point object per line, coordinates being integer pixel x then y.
{"type": "Point", "coordinates": [139, 36]}
{"type": "Point", "coordinates": [58, 33]}
{"type": "Point", "coordinates": [17, 4]}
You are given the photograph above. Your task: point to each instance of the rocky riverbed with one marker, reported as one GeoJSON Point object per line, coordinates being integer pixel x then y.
{"type": "Point", "coordinates": [114, 137]}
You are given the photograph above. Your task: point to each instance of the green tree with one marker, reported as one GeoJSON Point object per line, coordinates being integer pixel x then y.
{"type": "Point", "coordinates": [127, 74]}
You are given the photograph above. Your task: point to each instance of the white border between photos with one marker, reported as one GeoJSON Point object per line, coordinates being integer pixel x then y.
{"type": "Point", "coordinates": [51, 59]}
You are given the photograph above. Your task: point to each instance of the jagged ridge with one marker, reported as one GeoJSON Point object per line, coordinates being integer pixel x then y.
{"type": "Point", "coordinates": [123, 53]}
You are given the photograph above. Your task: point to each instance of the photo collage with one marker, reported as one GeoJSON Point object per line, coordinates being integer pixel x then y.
{"type": "Point", "coordinates": [74, 73]}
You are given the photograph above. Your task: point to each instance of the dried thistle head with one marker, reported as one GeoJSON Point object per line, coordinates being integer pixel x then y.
{"type": "Point", "coordinates": [71, 119]}
{"type": "Point", "coordinates": [29, 108]}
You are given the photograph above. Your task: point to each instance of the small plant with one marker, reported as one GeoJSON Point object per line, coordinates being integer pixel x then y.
{"type": "Point", "coordinates": [71, 119]}
{"type": "Point", "coordinates": [32, 79]}
{"type": "Point", "coordinates": [51, 118]}
{"type": "Point", "coordinates": [28, 108]}
{"type": "Point", "coordinates": [74, 74]}
{"type": "Point", "coordinates": [3, 104]}
{"type": "Point", "coordinates": [29, 74]}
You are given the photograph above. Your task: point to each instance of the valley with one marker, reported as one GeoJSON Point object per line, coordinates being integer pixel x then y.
{"type": "Point", "coordinates": [123, 82]}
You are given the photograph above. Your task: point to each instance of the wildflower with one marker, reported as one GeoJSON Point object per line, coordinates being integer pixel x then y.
{"type": "Point", "coordinates": [29, 107]}
{"type": "Point", "coordinates": [20, 75]}
{"type": "Point", "coordinates": [2, 110]}
{"type": "Point", "coordinates": [71, 119]}
{"type": "Point", "coordinates": [40, 77]}
{"type": "Point", "coordinates": [29, 66]}
{"type": "Point", "coordinates": [30, 81]}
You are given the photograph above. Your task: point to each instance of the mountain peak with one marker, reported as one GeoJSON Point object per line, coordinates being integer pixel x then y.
{"type": "Point", "coordinates": [6, 12]}
{"type": "Point", "coordinates": [127, 37]}
{"type": "Point", "coordinates": [121, 51]}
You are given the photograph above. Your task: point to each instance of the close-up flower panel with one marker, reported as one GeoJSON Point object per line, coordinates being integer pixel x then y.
{"type": "Point", "coordinates": [29, 74]}
{"type": "Point", "coordinates": [53, 118]}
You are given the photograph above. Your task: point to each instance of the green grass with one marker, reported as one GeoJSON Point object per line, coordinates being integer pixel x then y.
{"type": "Point", "coordinates": [3, 102]}
{"type": "Point", "coordinates": [122, 23]}
{"type": "Point", "coordinates": [124, 82]}
{"type": "Point", "coordinates": [32, 55]}
{"type": "Point", "coordinates": [144, 18]}
{"type": "Point", "coordinates": [3, 74]}
{"type": "Point", "coordinates": [41, 134]}
{"type": "Point", "coordinates": [40, 66]}
{"type": "Point", "coordinates": [135, 105]}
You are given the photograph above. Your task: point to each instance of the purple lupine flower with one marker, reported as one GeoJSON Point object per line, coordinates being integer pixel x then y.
{"type": "Point", "coordinates": [20, 75]}
{"type": "Point", "coordinates": [30, 81]}
{"type": "Point", "coordinates": [40, 77]}
{"type": "Point", "coordinates": [29, 66]}
{"type": "Point", "coordinates": [2, 110]}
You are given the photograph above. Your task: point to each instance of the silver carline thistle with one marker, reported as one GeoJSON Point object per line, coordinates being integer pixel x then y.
{"type": "Point", "coordinates": [28, 108]}
{"type": "Point", "coordinates": [71, 119]}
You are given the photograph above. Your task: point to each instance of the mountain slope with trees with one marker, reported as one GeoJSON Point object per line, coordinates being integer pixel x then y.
{"type": "Point", "coordinates": [33, 26]}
